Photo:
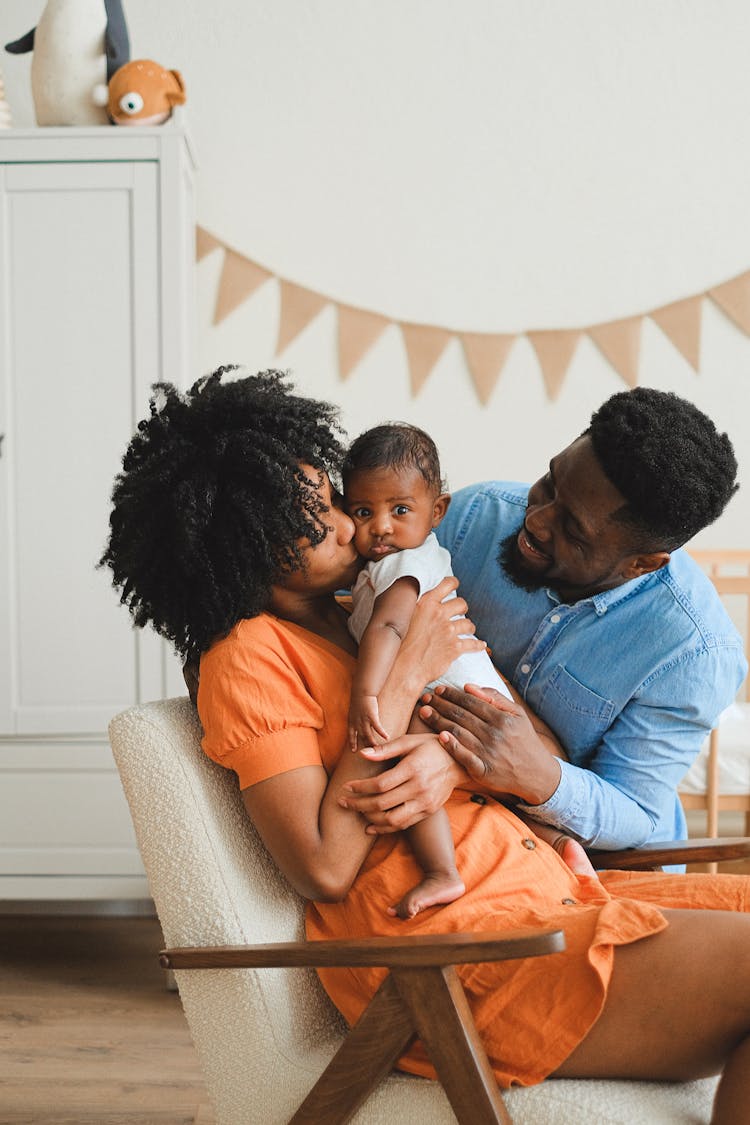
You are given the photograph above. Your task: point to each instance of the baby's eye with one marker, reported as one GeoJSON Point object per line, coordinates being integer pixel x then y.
{"type": "Point", "coordinates": [401, 510]}
{"type": "Point", "coordinates": [361, 513]}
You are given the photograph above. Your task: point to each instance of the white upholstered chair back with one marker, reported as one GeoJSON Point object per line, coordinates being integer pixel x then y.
{"type": "Point", "coordinates": [264, 1035]}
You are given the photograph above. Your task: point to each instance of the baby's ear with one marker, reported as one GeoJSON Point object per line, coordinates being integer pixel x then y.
{"type": "Point", "coordinates": [440, 507]}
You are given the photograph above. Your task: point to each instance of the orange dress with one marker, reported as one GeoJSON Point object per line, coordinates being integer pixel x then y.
{"type": "Point", "coordinates": [274, 697]}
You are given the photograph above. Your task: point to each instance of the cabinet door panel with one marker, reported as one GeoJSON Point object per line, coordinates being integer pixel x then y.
{"type": "Point", "coordinates": [79, 824]}
{"type": "Point", "coordinates": [81, 285]}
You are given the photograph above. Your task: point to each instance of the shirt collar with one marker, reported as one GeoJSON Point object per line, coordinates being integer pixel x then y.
{"type": "Point", "coordinates": [604, 601]}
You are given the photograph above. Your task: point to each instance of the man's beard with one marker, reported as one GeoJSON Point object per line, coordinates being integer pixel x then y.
{"type": "Point", "coordinates": [510, 559]}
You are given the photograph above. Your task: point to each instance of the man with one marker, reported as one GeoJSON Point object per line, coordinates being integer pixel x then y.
{"type": "Point", "coordinates": [609, 632]}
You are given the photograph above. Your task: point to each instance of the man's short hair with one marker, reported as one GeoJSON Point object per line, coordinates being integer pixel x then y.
{"type": "Point", "coordinates": [675, 470]}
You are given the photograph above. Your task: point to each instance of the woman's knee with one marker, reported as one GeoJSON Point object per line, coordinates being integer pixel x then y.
{"type": "Point", "coordinates": [678, 1002]}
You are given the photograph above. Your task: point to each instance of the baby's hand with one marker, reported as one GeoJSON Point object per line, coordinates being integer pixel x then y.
{"type": "Point", "coordinates": [365, 728]}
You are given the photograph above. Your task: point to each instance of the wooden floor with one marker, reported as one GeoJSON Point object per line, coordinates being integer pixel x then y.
{"type": "Point", "coordinates": [89, 1035]}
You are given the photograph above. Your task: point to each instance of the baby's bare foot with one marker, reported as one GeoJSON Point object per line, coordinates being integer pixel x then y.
{"type": "Point", "coordinates": [436, 889]}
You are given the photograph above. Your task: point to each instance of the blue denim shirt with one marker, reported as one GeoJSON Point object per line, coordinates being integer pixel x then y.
{"type": "Point", "coordinates": [631, 681]}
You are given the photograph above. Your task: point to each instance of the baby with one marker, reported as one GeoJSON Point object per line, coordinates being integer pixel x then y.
{"type": "Point", "coordinates": [393, 491]}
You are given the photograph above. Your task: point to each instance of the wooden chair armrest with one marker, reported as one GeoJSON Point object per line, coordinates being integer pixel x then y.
{"type": "Point", "coordinates": [405, 952]}
{"type": "Point", "coordinates": [671, 852]}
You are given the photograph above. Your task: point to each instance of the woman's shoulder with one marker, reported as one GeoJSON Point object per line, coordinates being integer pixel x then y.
{"type": "Point", "coordinates": [252, 647]}
{"type": "Point", "coordinates": [267, 646]}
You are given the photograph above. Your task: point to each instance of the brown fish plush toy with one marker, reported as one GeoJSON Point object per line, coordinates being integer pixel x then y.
{"type": "Point", "coordinates": [143, 93]}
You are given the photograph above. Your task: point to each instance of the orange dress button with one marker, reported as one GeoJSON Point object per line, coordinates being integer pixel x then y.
{"type": "Point", "coordinates": [568, 902]}
{"type": "Point", "coordinates": [529, 843]}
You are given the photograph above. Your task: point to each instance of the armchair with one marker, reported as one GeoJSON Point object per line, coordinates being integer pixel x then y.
{"type": "Point", "coordinates": [263, 1027]}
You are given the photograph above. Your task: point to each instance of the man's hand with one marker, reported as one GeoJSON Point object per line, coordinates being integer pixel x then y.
{"type": "Point", "coordinates": [418, 785]}
{"type": "Point", "coordinates": [493, 739]}
{"type": "Point", "coordinates": [570, 850]}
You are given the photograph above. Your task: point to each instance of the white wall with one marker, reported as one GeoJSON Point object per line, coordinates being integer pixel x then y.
{"type": "Point", "coordinates": [491, 165]}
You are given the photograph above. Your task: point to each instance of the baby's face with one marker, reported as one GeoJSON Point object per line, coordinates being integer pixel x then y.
{"type": "Point", "coordinates": [392, 510]}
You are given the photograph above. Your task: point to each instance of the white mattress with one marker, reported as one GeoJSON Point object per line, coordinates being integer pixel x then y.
{"type": "Point", "coordinates": [734, 755]}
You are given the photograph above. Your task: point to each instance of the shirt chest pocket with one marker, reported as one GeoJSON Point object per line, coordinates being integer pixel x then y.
{"type": "Point", "coordinates": [578, 715]}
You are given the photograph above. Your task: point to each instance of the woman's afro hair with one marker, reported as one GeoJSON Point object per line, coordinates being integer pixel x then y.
{"type": "Point", "coordinates": [675, 470]}
{"type": "Point", "coordinates": [211, 503]}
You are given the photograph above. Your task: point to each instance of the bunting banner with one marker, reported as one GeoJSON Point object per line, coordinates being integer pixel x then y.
{"type": "Point", "coordinates": [486, 353]}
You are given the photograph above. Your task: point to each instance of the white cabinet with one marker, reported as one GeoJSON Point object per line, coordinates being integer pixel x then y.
{"type": "Point", "coordinates": [96, 286]}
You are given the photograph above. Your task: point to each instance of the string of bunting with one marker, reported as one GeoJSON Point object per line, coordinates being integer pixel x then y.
{"type": "Point", "coordinates": [486, 353]}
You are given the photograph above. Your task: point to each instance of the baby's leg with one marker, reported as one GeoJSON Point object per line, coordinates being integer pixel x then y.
{"type": "Point", "coordinates": [432, 843]}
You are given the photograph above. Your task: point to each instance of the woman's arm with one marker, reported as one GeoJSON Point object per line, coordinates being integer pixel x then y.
{"type": "Point", "coordinates": [318, 844]}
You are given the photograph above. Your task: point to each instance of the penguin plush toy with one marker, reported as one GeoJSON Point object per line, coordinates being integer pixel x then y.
{"type": "Point", "coordinates": [78, 45]}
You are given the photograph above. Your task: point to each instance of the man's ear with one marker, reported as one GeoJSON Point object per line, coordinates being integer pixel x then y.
{"type": "Point", "coordinates": [440, 507]}
{"type": "Point", "coordinates": [645, 564]}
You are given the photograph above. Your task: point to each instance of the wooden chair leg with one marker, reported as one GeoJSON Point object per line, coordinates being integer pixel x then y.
{"type": "Point", "coordinates": [380, 1036]}
{"type": "Point", "coordinates": [438, 1005]}
{"type": "Point", "coordinates": [429, 1002]}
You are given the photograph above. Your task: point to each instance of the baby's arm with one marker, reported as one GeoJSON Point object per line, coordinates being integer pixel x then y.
{"type": "Point", "coordinates": [378, 647]}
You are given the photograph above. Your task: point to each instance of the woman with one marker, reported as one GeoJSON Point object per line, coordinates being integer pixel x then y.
{"type": "Point", "coordinates": [227, 536]}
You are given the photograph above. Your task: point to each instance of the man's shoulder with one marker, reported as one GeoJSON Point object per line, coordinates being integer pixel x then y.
{"type": "Point", "coordinates": [691, 590]}
{"type": "Point", "coordinates": [487, 508]}
{"type": "Point", "coordinates": [492, 492]}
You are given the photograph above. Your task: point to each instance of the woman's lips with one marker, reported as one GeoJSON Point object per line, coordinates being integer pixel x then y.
{"type": "Point", "coordinates": [529, 550]}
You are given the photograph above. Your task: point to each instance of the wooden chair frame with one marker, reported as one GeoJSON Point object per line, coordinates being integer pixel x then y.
{"type": "Point", "coordinates": [422, 996]}
{"type": "Point", "coordinates": [713, 801]}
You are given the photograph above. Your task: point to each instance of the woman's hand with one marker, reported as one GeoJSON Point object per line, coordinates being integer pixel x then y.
{"type": "Point", "coordinates": [434, 639]}
{"type": "Point", "coordinates": [494, 740]}
{"type": "Point", "coordinates": [415, 787]}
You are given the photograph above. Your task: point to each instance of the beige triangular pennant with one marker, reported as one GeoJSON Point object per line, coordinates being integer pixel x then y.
{"type": "Point", "coordinates": [485, 357]}
{"type": "Point", "coordinates": [619, 341]}
{"type": "Point", "coordinates": [358, 331]}
{"type": "Point", "coordinates": [733, 297]}
{"type": "Point", "coordinates": [424, 346]}
{"type": "Point", "coordinates": [298, 307]}
{"type": "Point", "coordinates": [239, 279]}
{"type": "Point", "coordinates": [554, 349]}
{"type": "Point", "coordinates": [205, 243]}
{"type": "Point", "coordinates": [681, 323]}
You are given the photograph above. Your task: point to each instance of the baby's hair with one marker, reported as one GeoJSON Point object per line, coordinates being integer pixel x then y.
{"type": "Point", "coordinates": [395, 445]}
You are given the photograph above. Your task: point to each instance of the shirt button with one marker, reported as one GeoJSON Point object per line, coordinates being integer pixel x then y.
{"type": "Point", "coordinates": [525, 668]}
{"type": "Point", "coordinates": [529, 843]}
{"type": "Point", "coordinates": [568, 902]}
{"type": "Point", "coordinates": [555, 618]}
